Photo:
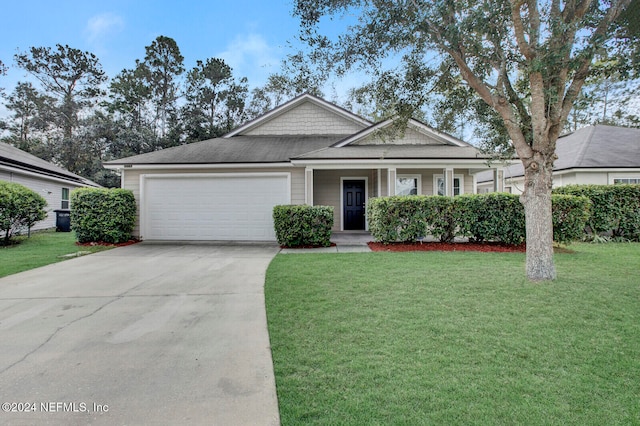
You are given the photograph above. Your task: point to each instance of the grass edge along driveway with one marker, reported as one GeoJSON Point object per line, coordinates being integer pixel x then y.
{"type": "Point", "coordinates": [42, 248]}
{"type": "Point", "coordinates": [456, 338]}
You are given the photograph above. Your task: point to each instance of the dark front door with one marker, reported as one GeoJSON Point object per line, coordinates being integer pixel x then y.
{"type": "Point", "coordinates": [353, 199]}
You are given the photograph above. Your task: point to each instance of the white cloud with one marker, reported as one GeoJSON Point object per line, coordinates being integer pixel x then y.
{"type": "Point", "coordinates": [102, 26]}
{"type": "Point", "coordinates": [251, 56]}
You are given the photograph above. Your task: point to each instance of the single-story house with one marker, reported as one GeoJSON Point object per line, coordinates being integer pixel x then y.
{"type": "Point", "coordinates": [600, 154]}
{"type": "Point", "coordinates": [306, 151]}
{"type": "Point", "coordinates": [50, 181]}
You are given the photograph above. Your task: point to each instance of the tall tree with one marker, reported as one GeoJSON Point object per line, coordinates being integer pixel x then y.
{"type": "Point", "coordinates": [296, 77]}
{"type": "Point", "coordinates": [129, 109]}
{"type": "Point", "coordinates": [607, 96]}
{"type": "Point", "coordinates": [30, 119]}
{"type": "Point", "coordinates": [208, 85]}
{"type": "Point", "coordinates": [3, 71]}
{"type": "Point", "coordinates": [162, 66]}
{"type": "Point", "coordinates": [526, 59]}
{"type": "Point", "coordinates": [235, 106]}
{"type": "Point", "coordinates": [129, 95]}
{"type": "Point", "coordinates": [74, 78]}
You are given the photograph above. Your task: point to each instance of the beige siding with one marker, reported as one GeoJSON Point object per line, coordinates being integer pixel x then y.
{"type": "Point", "coordinates": [593, 178]}
{"type": "Point", "coordinates": [426, 176]}
{"type": "Point", "coordinates": [307, 119]}
{"type": "Point", "coordinates": [50, 190]}
{"type": "Point", "coordinates": [327, 189]}
{"type": "Point", "coordinates": [411, 137]}
{"type": "Point", "coordinates": [131, 181]}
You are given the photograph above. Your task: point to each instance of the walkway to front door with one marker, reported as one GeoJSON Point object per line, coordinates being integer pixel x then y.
{"type": "Point", "coordinates": [353, 208]}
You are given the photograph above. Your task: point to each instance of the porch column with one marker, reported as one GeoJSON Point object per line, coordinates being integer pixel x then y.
{"type": "Point", "coordinates": [308, 186]}
{"type": "Point", "coordinates": [391, 182]}
{"type": "Point", "coordinates": [498, 179]}
{"type": "Point", "coordinates": [379, 186]}
{"type": "Point", "coordinates": [448, 182]}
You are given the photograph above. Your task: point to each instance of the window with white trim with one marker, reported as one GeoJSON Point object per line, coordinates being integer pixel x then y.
{"type": "Point", "coordinates": [65, 199]}
{"type": "Point", "coordinates": [408, 185]}
{"type": "Point", "coordinates": [625, 181]}
{"type": "Point", "coordinates": [438, 184]}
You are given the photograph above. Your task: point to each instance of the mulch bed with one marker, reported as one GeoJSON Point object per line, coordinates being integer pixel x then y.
{"type": "Point", "coordinates": [102, 243]}
{"type": "Point", "coordinates": [438, 246]}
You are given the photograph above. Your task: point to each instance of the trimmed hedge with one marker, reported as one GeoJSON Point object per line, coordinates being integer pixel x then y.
{"type": "Point", "coordinates": [101, 214]}
{"type": "Point", "coordinates": [570, 216]}
{"type": "Point", "coordinates": [484, 217]}
{"type": "Point", "coordinates": [303, 225]}
{"type": "Point", "coordinates": [491, 217]}
{"type": "Point", "coordinates": [615, 210]}
{"type": "Point", "coordinates": [20, 207]}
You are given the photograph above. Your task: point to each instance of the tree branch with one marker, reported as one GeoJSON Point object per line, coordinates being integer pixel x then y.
{"type": "Point", "coordinates": [595, 41]}
{"type": "Point", "coordinates": [518, 26]}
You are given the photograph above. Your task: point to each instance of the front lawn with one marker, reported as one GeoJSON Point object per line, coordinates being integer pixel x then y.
{"type": "Point", "coordinates": [456, 338]}
{"type": "Point", "coordinates": [42, 248]}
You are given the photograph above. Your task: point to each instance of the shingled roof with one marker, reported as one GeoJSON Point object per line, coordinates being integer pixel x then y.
{"type": "Point", "coordinates": [237, 149]}
{"type": "Point", "coordinates": [393, 152]}
{"type": "Point", "coordinates": [591, 147]}
{"type": "Point", "coordinates": [19, 159]}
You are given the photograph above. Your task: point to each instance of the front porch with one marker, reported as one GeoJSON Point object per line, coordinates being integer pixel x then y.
{"type": "Point", "coordinates": [349, 189]}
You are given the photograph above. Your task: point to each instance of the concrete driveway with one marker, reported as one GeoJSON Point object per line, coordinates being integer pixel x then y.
{"type": "Point", "coordinates": [144, 334]}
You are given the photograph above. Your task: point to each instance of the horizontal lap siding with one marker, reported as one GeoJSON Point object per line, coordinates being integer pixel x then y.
{"type": "Point", "coordinates": [51, 191]}
{"type": "Point", "coordinates": [427, 178]}
{"type": "Point", "coordinates": [327, 189]}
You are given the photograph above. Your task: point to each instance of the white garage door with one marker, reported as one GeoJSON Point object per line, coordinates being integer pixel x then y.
{"type": "Point", "coordinates": [212, 206]}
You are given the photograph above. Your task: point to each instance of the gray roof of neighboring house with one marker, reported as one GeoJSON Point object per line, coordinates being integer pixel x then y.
{"type": "Point", "coordinates": [236, 149]}
{"type": "Point", "coordinates": [18, 159]}
{"type": "Point", "coordinates": [598, 146]}
{"type": "Point", "coordinates": [394, 152]}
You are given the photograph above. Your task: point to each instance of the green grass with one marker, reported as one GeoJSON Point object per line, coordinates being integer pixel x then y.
{"type": "Point", "coordinates": [456, 338]}
{"type": "Point", "coordinates": [41, 249]}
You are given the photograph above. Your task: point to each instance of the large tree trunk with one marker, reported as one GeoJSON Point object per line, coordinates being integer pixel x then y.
{"type": "Point", "coordinates": [539, 222]}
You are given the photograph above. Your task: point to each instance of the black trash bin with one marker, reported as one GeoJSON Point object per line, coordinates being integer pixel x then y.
{"type": "Point", "coordinates": [63, 220]}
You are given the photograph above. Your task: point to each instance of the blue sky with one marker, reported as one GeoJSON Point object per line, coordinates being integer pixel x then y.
{"type": "Point", "coordinates": [252, 36]}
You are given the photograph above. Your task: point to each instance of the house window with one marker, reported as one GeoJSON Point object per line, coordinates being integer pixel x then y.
{"type": "Point", "coordinates": [65, 198]}
{"type": "Point", "coordinates": [625, 181]}
{"type": "Point", "coordinates": [408, 185]}
{"type": "Point", "coordinates": [458, 184]}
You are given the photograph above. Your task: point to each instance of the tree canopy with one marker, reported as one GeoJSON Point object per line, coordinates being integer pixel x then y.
{"type": "Point", "coordinates": [520, 64]}
{"type": "Point", "coordinates": [65, 115]}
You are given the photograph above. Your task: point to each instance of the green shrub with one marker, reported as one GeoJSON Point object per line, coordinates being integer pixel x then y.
{"type": "Point", "coordinates": [491, 217]}
{"type": "Point", "coordinates": [100, 214]}
{"type": "Point", "coordinates": [20, 207]}
{"type": "Point", "coordinates": [407, 218]}
{"type": "Point", "coordinates": [487, 217]}
{"type": "Point", "coordinates": [439, 213]}
{"type": "Point", "coordinates": [570, 216]}
{"type": "Point", "coordinates": [303, 225]}
{"type": "Point", "coordinates": [615, 209]}
{"type": "Point", "coordinates": [398, 218]}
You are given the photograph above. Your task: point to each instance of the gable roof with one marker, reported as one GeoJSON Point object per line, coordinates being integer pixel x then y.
{"type": "Point", "coordinates": [292, 104]}
{"type": "Point", "coordinates": [239, 149]}
{"type": "Point", "coordinates": [258, 142]}
{"type": "Point", "coordinates": [600, 146]}
{"type": "Point", "coordinates": [10, 156]}
{"type": "Point", "coordinates": [436, 136]}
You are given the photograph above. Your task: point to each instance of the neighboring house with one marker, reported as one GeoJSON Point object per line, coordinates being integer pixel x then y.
{"type": "Point", "coordinates": [600, 154]}
{"type": "Point", "coordinates": [307, 151]}
{"type": "Point", "coordinates": [53, 183]}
